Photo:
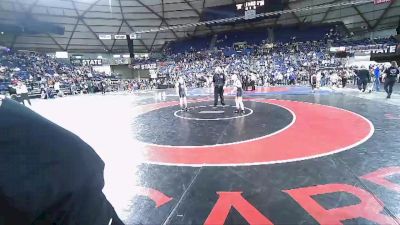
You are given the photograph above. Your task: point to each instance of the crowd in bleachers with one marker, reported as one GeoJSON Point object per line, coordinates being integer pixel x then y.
{"type": "Point", "coordinates": [278, 64]}
{"type": "Point", "coordinates": [46, 77]}
{"type": "Point", "coordinates": [294, 56]}
{"type": "Point", "coordinates": [289, 61]}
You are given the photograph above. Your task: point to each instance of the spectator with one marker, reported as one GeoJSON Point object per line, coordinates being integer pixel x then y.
{"type": "Point", "coordinates": [391, 75]}
{"type": "Point", "coordinates": [22, 91]}
{"type": "Point", "coordinates": [377, 76]}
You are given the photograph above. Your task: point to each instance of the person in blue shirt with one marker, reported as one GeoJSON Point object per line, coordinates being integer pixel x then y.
{"type": "Point", "coordinates": [377, 75]}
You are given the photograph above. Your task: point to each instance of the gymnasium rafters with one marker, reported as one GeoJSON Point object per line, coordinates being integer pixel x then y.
{"type": "Point", "coordinates": [84, 20]}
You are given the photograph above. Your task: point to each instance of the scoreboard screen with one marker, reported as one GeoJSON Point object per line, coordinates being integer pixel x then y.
{"type": "Point", "coordinates": [239, 8]}
{"type": "Point", "coordinates": [258, 5]}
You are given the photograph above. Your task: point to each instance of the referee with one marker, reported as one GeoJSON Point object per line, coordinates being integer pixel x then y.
{"type": "Point", "coordinates": [363, 78]}
{"type": "Point", "coordinates": [219, 83]}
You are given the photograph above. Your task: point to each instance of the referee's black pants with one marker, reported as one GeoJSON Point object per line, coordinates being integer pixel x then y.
{"type": "Point", "coordinates": [219, 92]}
{"type": "Point", "coordinates": [362, 84]}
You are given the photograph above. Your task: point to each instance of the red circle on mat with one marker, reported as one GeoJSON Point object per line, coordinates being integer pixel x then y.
{"type": "Point", "coordinates": [318, 131]}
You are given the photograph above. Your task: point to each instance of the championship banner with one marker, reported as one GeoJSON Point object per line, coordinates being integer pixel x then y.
{"type": "Point", "coordinates": [134, 36]}
{"type": "Point", "coordinates": [337, 49]}
{"type": "Point", "coordinates": [377, 2]}
{"type": "Point", "coordinates": [367, 49]}
{"type": "Point", "coordinates": [120, 37]}
{"type": "Point", "coordinates": [86, 62]}
{"type": "Point", "coordinates": [105, 36]}
{"type": "Point", "coordinates": [92, 62]}
{"type": "Point", "coordinates": [151, 66]}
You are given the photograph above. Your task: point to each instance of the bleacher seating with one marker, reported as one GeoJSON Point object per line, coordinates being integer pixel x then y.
{"type": "Point", "coordinates": [40, 72]}
{"type": "Point", "coordinates": [366, 41]}
{"type": "Point", "coordinates": [301, 34]}
{"type": "Point", "coordinates": [192, 44]}
{"type": "Point", "coordinates": [252, 37]}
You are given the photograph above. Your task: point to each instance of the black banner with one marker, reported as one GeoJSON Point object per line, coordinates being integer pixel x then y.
{"type": "Point", "coordinates": [86, 62]}
{"type": "Point", "coordinates": [389, 50]}
{"type": "Point", "coordinates": [390, 53]}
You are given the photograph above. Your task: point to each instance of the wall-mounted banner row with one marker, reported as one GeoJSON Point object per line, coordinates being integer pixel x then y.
{"type": "Point", "coordinates": [118, 36]}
